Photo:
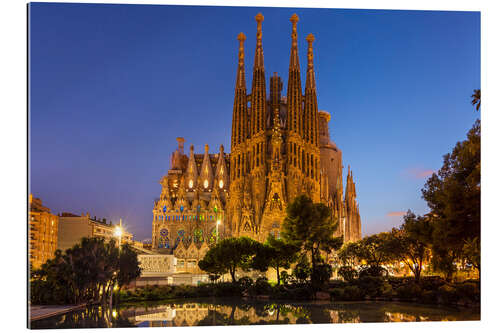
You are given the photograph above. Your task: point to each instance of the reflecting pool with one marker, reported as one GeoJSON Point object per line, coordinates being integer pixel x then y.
{"type": "Point", "coordinates": [211, 312]}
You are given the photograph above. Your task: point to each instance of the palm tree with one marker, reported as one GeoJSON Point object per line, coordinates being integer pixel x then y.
{"type": "Point", "coordinates": [476, 98]}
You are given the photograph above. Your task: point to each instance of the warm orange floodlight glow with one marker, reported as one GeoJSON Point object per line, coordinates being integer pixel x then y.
{"type": "Point", "coordinates": [118, 231]}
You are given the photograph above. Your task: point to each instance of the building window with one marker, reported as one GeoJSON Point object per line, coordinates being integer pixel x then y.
{"type": "Point", "coordinates": [221, 183]}
{"type": "Point", "coordinates": [205, 183]}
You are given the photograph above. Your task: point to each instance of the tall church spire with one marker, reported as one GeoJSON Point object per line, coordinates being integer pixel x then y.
{"type": "Point", "coordinates": [258, 99]}
{"type": "Point", "coordinates": [311, 101]}
{"type": "Point", "coordinates": [240, 114]}
{"type": "Point", "coordinates": [294, 91]}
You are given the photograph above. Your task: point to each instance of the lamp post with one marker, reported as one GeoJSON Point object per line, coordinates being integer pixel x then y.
{"type": "Point", "coordinates": [217, 229]}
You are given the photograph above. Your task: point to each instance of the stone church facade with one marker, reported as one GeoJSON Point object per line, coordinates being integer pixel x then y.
{"type": "Point", "coordinates": [280, 148]}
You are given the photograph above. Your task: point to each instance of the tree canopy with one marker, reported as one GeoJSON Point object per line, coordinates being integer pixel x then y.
{"type": "Point", "coordinates": [453, 195]}
{"type": "Point", "coordinates": [228, 255]}
{"type": "Point", "coordinates": [310, 226]}
{"type": "Point", "coordinates": [411, 241]}
{"type": "Point", "coordinates": [275, 253]}
{"type": "Point", "coordinates": [86, 272]}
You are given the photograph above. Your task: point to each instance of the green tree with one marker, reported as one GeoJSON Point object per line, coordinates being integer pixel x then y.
{"type": "Point", "coordinates": [275, 253]}
{"type": "Point", "coordinates": [87, 272]}
{"type": "Point", "coordinates": [213, 265]}
{"type": "Point", "coordinates": [476, 99]}
{"type": "Point", "coordinates": [128, 266]}
{"type": "Point", "coordinates": [348, 254]}
{"type": "Point", "coordinates": [410, 242]}
{"type": "Point", "coordinates": [302, 269]}
{"type": "Point", "coordinates": [374, 249]}
{"type": "Point", "coordinates": [472, 252]}
{"type": "Point", "coordinates": [310, 227]}
{"type": "Point", "coordinates": [453, 195]}
{"type": "Point", "coordinates": [228, 255]}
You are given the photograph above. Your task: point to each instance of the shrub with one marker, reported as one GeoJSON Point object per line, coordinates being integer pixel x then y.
{"type": "Point", "coordinates": [227, 289]}
{"type": "Point", "coordinates": [370, 285]}
{"type": "Point", "coordinates": [447, 294]}
{"type": "Point", "coordinates": [321, 274]}
{"type": "Point", "coordinates": [280, 292]}
{"type": "Point", "coordinates": [409, 290]}
{"type": "Point", "coordinates": [213, 277]}
{"type": "Point", "coordinates": [348, 273]}
{"type": "Point", "coordinates": [285, 277]}
{"type": "Point", "coordinates": [429, 296]}
{"type": "Point", "coordinates": [431, 282]}
{"type": "Point", "coordinates": [337, 293]}
{"type": "Point", "coordinates": [373, 271]}
{"type": "Point", "coordinates": [261, 287]}
{"type": "Point", "coordinates": [468, 291]}
{"type": "Point", "coordinates": [301, 291]}
{"type": "Point", "coordinates": [352, 293]}
{"type": "Point", "coordinates": [337, 283]}
{"type": "Point", "coordinates": [245, 282]}
{"type": "Point", "coordinates": [302, 270]}
{"type": "Point", "coordinates": [386, 290]}
{"type": "Point", "coordinates": [205, 289]}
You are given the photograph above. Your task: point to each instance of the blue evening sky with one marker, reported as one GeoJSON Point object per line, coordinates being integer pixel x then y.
{"type": "Point", "coordinates": [112, 86]}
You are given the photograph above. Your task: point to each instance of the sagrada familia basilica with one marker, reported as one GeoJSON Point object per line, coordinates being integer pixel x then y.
{"type": "Point", "coordinates": [280, 148]}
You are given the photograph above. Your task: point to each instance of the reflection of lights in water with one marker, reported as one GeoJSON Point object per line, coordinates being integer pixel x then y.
{"type": "Point", "coordinates": [114, 314]}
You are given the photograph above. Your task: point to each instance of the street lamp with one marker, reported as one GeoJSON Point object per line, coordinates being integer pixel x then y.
{"type": "Point", "coordinates": [119, 233]}
{"type": "Point", "coordinates": [217, 229]}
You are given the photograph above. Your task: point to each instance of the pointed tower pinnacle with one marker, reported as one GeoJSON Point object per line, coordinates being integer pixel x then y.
{"type": "Point", "coordinates": [258, 99]}
{"type": "Point", "coordinates": [206, 174]}
{"type": "Point", "coordinates": [310, 81]}
{"type": "Point", "coordinates": [192, 170]}
{"type": "Point", "coordinates": [294, 91]}
{"type": "Point", "coordinates": [311, 101]}
{"type": "Point", "coordinates": [240, 114]}
{"type": "Point", "coordinates": [259, 53]}
{"type": "Point", "coordinates": [240, 76]}
{"type": "Point", "coordinates": [294, 58]}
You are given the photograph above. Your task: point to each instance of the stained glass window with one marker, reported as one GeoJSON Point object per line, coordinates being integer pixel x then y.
{"type": "Point", "coordinates": [213, 236]}
{"type": "Point", "coordinates": [198, 236]}
{"type": "Point", "coordinates": [163, 242]}
{"type": "Point", "coordinates": [164, 209]}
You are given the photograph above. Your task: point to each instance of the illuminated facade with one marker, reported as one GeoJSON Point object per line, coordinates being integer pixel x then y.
{"type": "Point", "coordinates": [280, 148]}
{"type": "Point", "coordinates": [72, 228]}
{"type": "Point", "coordinates": [43, 230]}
